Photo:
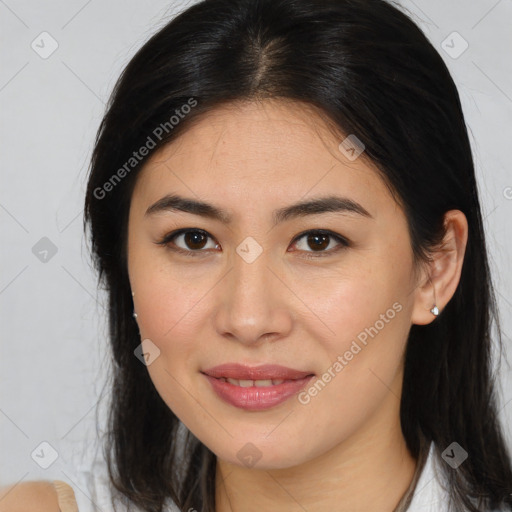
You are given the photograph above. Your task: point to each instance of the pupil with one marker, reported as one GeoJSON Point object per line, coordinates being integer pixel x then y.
{"type": "Point", "coordinates": [191, 238]}
{"type": "Point", "coordinates": [315, 238]}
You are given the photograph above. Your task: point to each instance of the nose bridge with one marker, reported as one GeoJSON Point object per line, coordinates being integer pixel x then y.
{"type": "Point", "coordinates": [253, 304]}
{"type": "Point", "coordinates": [250, 274]}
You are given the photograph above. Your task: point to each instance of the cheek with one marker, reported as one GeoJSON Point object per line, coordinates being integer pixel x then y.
{"type": "Point", "coordinates": [348, 302]}
{"type": "Point", "coordinates": [364, 356]}
{"type": "Point", "coordinates": [367, 312]}
{"type": "Point", "coordinates": [170, 314]}
{"type": "Point", "coordinates": [169, 302]}
{"type": "Point", "coordinates": [166, 293]}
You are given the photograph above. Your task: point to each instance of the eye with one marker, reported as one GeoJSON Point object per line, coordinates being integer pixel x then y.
{"type": "Point", "coordinates": [192, 238]}
{"type": "Point", "coordinates": [195, 240]}
{"type": "Point", "coordinates": [319, 240]}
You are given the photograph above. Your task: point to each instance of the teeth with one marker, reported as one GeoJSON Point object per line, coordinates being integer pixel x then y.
{"type": "Point", "coordinates": [262, 383]}
{"type": "Point", "coordinates": [249, 383]}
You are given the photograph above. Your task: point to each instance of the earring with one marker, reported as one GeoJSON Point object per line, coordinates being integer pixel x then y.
{"type": "Point", "coordinates": [134, 314]}
{"type": "Point", "coordinates": [435, 309]}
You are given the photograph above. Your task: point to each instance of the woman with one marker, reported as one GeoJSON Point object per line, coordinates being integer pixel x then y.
{"type": "Point", "coordinates": [283, 208]}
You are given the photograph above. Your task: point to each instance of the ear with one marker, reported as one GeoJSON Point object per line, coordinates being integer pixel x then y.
{"type": "Point", "coordinates": [442, 274]}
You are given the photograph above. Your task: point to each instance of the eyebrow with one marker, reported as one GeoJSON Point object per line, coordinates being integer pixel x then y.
{"type": "Point", "coordinates": [174, 202]}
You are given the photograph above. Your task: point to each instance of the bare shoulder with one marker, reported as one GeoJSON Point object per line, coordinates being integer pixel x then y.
{"type": "Point", "coordinates": [36, 495]}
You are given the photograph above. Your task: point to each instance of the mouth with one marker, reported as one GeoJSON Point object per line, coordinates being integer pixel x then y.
{"type": "Point", "coordinates": [248, 375]}
{"type": "Point", "coordinates": [245, 383]}
{"type": "Point", "coordinates": [256, 388]}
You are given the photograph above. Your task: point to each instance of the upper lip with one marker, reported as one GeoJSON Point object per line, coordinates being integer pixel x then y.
{"type": "Point", "coordinates": [263, 372]}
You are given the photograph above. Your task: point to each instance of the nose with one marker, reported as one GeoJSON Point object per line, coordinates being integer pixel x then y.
{"type": "Point", "coordinates": [253, 305]}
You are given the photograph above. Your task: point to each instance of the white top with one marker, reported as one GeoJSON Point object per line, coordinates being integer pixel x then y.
{"type": "Point", "coordinates": [92, 490]}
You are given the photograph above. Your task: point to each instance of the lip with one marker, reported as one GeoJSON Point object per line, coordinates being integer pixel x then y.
{"type": "Point", "coordinates": [256, 398]}
{"type": "Point", "coordinates": [263, 372]}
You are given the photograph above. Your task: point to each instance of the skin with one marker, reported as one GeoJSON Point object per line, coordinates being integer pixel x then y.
{"type": "Point", "coordinates": [39, 495]}
{"type": "Point", "coordinates": [344, 450]}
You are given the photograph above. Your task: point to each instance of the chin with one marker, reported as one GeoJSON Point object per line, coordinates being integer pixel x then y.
{"type": "Point", "coordinates": [263, 456]}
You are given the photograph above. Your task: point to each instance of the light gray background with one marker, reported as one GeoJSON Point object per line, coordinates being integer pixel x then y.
{"type": "Point", "coordinates": [53, 324]}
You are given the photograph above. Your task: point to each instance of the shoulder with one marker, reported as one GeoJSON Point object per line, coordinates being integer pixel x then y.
{"type": "Point", "coordinates": [36, 495]}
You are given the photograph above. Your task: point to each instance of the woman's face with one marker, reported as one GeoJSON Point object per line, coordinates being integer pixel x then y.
{"type": "Point", "coordinates": [250, 295]}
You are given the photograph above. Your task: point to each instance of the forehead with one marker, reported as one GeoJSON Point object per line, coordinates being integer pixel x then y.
{"type": "Point", "coordinates": [251, 130]}
{"type": "Point", "coordinates": [271, 150]}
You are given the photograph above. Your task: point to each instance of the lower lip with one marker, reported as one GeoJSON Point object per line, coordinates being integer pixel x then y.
{"type": "Point", "coordinates": [257, 398]}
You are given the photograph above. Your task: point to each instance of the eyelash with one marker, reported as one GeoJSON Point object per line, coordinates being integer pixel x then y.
{"type": "Point", "coordinates": [320, 254]}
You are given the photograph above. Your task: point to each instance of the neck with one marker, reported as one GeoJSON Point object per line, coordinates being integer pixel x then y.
{"type": "Point", "coordinates": [371, 470]}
